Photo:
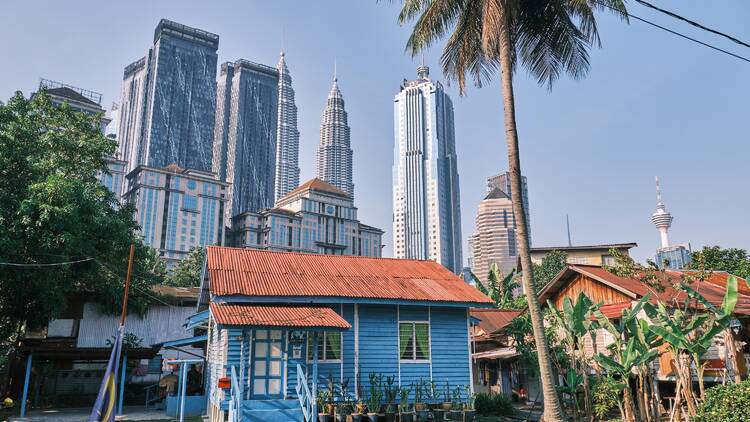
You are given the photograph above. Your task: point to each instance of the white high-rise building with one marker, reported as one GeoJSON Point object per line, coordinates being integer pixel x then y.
{"type": "Point", "coordinates": [502, 181]}
{"type": "Point", "coordinates": [287, 144]}
{"type": "Point", "coordinates": [334, 151]}
{"type": "Point", "coordinates": [426, 199]}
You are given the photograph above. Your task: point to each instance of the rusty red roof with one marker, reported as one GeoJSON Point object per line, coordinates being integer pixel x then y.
{"type": "Point", "coordinates": [712, 289]}
{"type": "Point", "coordinates": [252, 272]}
{"type": "Point", "coordinates": [493, 320]}
{"type": "Point", "coordinates": [278, 316]}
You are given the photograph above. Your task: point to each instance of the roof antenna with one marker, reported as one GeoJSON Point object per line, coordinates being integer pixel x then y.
{"type": "Point", "coordinates": [335, 78]}
{"type": "Point", "coordinates": [567, 222]}
{"type": "Point", "coordinates": [283, 36]}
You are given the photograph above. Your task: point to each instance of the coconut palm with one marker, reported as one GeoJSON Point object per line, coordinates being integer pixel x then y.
{"type": "Point", "coordinates": [547, 38]}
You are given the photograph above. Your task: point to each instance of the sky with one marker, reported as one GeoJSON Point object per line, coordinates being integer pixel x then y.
{"type": "Point", "coordinates": [652, 105]}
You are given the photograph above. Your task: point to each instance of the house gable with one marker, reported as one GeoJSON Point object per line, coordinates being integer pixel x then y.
{"type": "Point", "coordinates": [597, 291]}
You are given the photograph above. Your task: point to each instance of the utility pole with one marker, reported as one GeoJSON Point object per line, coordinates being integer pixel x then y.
{"type": "Point", "coordinates": [127, 285]}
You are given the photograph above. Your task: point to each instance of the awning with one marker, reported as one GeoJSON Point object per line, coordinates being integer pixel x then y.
{"type": "Point", "coordinates": [182, 342]}
{"type": "Point", "coordinates": [295, 317]}
{"type": "Point", "coordinates": [500, 353]}
{"type": "Point", "coordinates": [196, 320]}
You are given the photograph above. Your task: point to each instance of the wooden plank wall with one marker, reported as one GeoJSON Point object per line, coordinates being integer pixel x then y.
{"type": "Point", "coordinates": [595, 290]}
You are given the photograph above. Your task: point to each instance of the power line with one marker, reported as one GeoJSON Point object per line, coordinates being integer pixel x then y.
{"type": "Point", "coordinates": [691, 22]}
{"type": "Point", "coordinates": [51, 264]}
{"type": "Point", "coordinates": [638, 18]}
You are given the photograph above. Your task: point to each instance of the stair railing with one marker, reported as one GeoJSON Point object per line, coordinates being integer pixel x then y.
{"type": "Point", "coordinates": [303, 393]}
{"type": "Point", "coordinates": [235, 398]}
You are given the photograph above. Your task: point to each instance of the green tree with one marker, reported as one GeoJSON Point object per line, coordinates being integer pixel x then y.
{"type": "Point", "coordinates": [54, 211]}
{"type": "Point", "coordinates": [501, 291]}
{"type": "Point", "coordinates": [187, 273]}
{"type": "Point", "coordinates": [547, 38]}
{"type": "Point", "coordinates": [732, 260]}
{"type": "Point", "coordinates": [551, 265]}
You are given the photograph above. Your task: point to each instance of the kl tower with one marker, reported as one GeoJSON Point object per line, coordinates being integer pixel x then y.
{"type": "Point", "coordinates": [661, 218]}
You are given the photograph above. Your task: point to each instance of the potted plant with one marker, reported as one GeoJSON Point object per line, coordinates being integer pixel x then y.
{"type": "Point", "coordinates": [390, 391]}
{"type": "Point", "coordinates": [420, 406]}
{"type": "Point", "coordinates": [447, 404]}
{"type": "Point", "coordinates": [322, 400]}
{"type": "Point", "coordinates": [344, 406]}
{"type": "Point", "coordinates": [375, 399]}
{"type": "Point", "coordinates": [469, 412]}
{"type": "Point", "coordinates": [359, 410]}
{"type": "Point", "coordinates": [434, 393]}
{"type": "Point", "coordinates": [457, 405]}
{"type": "Point", "coordinates": [405, 414]}
{"type": "Point", "coordinates": [331, 395]}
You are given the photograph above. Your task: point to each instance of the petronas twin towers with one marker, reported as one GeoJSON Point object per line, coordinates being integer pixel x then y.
{"type": "Point", "coordinates": [334, 164]}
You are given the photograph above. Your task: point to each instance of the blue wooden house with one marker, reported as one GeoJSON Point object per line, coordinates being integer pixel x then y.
{"type": "Point", "coordinates": [281, 324]}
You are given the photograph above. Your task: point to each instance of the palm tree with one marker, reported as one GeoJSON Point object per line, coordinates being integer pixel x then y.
{"type": "Point", "coordinates": [548, 38]}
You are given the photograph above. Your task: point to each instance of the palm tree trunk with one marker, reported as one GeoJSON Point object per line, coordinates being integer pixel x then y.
{"type": "Point", "coordinates": [552, 409]}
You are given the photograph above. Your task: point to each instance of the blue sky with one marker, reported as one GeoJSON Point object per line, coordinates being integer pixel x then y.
{"type": "Point", "coordinates": [653, 104]}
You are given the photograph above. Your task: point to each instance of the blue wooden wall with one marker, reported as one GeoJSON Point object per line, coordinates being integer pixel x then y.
{"type": "Point", "coordinates": [378, 348]}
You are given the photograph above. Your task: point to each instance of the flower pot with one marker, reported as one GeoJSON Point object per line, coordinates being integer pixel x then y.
{"type": "Point", "coordinates": [422, 415]}
{"type": "Point", "coordinates": [323, 417]}
{"type": "Point", "coordinates": [340, 417]}
{"type": "Point", "coordinates": [356, 417]}
{"type": "Point", "coordinates": [457, 415]}
{"type": "Point", "coordinates": [447, 406]}
{"type": "Point", "coordinates": [438, 415]}
{"type": "Point", "coordinates": [469, 415]}
{"type": "Point", "coordinates": [406, 417]}
{"type": "Point", "coordinates": [420, 406]}
{"type": "Point", "coordinates": [372, 417]}
{"type": "Point", "coordinates": [390, 417]}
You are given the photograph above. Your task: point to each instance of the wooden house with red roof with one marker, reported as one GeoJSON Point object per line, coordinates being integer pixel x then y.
{"type": "Point", "coordinates": [617, 293]}
{"type": "Point", "coordinates": [281, 324]}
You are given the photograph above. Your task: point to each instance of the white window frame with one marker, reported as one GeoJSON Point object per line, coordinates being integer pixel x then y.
{"type": "Point", "coordinates": [414, 347]}
{"type": "Point", "coordinates": [322, 337]}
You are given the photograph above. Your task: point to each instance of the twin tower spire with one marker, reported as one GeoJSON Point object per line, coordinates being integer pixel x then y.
{"type": "Point", "coordinates": [334, 155]}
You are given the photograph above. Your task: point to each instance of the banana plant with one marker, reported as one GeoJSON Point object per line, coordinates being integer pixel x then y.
{"type": "Point", "coordinates": [632, 349]}
{"type": "Point", "coordinates": [690, 332]}
{"type": "Point", "coordinates": [576, 321]}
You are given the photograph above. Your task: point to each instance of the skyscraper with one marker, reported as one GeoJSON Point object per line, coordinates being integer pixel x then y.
{"type": "Point", "coordinates": [494, 239]}
{"type": "Point", "coordinates": [245, 134]}
{"type": "Point", "coordinates": [335, 151]}
{"type": "Point", "coordinates": [287, 146]}
{"type": "Point", "coordinates": [502, 182]}
{"type": "Point", "coordinates": [168, 100]}
{"type": "Point", "coordinates": [673, 257]}
{"type": "Point", "coordinates": [426, 199]}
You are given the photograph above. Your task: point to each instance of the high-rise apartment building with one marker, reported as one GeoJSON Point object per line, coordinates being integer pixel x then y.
{"type": "Point", "coordinates": [316, 217]}
{"type": "Point", "coordinates": [334, 164]}
{"type": "Point", "coordinates": [168, 100]}
{"type": "Point", "coordinates": [426, 199]}
{"type": "Point", "coordinates": [245, 134]}
{"type": "Point", "coordinates": [177, 209]}
{"type": "Point", "coordinates": [287, 145]}
{"type": "Point", "coordinates": [89, 102]}
{"type": "Point", "coordinates": [494, 240]}
{"type": "Point", "coordinates": [502, 181]}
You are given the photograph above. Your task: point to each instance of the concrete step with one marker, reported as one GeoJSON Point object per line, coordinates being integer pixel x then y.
{"type": "Point", "coordinates": [272, 411]}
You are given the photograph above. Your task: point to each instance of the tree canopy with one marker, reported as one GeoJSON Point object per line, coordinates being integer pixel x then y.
{"type": "Point", "coordinates": [61, 231]}
{"type": "Point", "coordinates": [732, 260]}
{"type": "Point", "coordinates": [187, 273]}
{"type": "Point", "coordinates": [551, 264]}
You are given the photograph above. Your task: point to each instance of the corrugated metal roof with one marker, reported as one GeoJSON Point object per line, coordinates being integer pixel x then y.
{"type": "Point", "coordinates": [278, 316]}
{"type": "Point", "coordinates": [493, 320]}
{"type": "Point", "coordinates": [251, 272]}
{"type": "Point", "coordinates": [713, 289]}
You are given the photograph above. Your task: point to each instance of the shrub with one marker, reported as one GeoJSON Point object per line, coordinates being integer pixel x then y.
{"type": "Point", "coordinates": [606, 396]}
{"type": "Point", "coordinates": [493, 404]}
{"type": "Point", "coordinates": [725, 403]}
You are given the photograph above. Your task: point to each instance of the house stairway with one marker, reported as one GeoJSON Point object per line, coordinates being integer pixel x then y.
{"type": "Point", "coordinates": [272, 411]}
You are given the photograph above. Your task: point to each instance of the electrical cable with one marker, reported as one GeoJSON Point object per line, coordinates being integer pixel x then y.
{"type": "Point", "coordinates": [51, 264]}
{"type": "Point", "coordinates": [638, 18]}
{"type": "Point", "coordinates": [695, 24]}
